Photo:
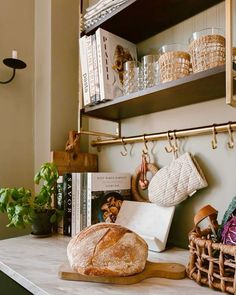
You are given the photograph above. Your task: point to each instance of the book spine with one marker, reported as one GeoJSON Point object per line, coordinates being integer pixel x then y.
{"type": "Point", "coordinates": [60, 203]}
{"type": "Point", "coordinates": [84, 70]}
{"type": "Point", "coordinates": [89, 199]}
{"type": "Point", "coordinates": [81, 201]}
{"type": "Point", "coordinates": [83, 209]}
{"type": "Point", "coordinates": [100, 64]}
{"type": "Point", "coordinates": [95, 69]}
{"type": "Point", "coordinates": [77, 203]}
{"type": "Point", "coordinates": [67, 188]}
{"type": "Point", "coordinates": [73, 211]}
{"type": "Point", "coordinates": [89, 49]}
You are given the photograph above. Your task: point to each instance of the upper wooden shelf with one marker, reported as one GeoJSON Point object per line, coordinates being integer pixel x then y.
{"type": "Point", "coordinates": [192, 89]}
{"type": "Point", "coordinates": [136, 20]}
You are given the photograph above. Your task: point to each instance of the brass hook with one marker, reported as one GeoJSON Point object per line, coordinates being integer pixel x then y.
{"type": "Point", "coordinates": [231, 139]}
{"type": "Point", "coordinates": [125, 152]}
{"type": "Point", "coordinates": [145, 150]}
{"type": "Point", "coordinates": [171, 147]}
{"type": "Point", "coordinates": [175, 146]}
{"type": "Point", "coordinates": [214, 140]}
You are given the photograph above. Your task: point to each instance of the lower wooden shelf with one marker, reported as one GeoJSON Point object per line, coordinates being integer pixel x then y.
{"type": "Point", "coordinates": [194, 88]}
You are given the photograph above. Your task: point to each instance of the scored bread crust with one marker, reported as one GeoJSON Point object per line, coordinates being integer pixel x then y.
{"type": "Point", "coordinates": [107, 249]}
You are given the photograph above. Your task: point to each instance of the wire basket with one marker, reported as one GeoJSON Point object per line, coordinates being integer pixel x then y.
{"type": "Point", "coordinates": [207, 49]}
{"type": "Point", "coordinates": [174, 62]}
{"type": "Point", "coordinates": [210, 263]}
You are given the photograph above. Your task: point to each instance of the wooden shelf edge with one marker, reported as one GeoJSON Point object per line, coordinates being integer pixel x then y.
{"type": "Point", "coordinates": [195, 88]}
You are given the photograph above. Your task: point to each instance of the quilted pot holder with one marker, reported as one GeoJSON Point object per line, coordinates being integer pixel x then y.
{"type": "Point", "coordinates": [174, 183]}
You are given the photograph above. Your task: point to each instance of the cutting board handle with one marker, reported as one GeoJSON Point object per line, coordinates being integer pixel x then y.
{"type": "Point", "coordinates": [174, 271]}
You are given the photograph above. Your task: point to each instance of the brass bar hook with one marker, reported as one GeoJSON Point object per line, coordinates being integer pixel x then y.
{"type": "Point", "coordinates": [231, 139]}
{"type": "Point", "coordinates": [214, 140]}
{"type": "Point", "coordinates": [125, 152]}
{"type": "Point", "coordinates": [169, 148]}
{"type": "Point", "coordinates": [175, 146]}
{"type": "Point", "coordinates": [145, 150]}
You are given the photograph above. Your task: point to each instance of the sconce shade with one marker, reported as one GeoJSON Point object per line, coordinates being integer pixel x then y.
{"type": "Point", "coordinates": [14, 63]}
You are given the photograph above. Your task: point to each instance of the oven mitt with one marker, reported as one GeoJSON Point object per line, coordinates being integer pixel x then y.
{"type": "Point", "coordinates": [172, 184]}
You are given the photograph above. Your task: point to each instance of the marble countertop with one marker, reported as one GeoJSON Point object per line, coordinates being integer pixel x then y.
{"type": "Point", "coordinates": [34, 264]}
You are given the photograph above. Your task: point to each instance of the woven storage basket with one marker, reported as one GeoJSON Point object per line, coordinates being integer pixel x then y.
{"type": "Point", "coordinates": [174, 65]}
{"type": "Point", "coordinates": [211, 264]}
{"type": "Point", "coordinates": [207, 52]}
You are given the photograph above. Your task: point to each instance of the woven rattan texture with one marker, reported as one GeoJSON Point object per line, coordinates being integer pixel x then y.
{"type": "Point", "coordinates": [174, 65]}
{"type": "Point", "coordinates": [207, 52]}
{"type": "Point", "coordinates": [212, 264]}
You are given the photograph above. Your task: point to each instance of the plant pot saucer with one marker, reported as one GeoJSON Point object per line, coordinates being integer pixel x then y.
{"type": "Point", "coordinates": [41, 236]}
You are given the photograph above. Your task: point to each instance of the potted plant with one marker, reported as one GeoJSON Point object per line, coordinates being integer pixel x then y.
{"type": "Point", "coordinates": [23, 208]}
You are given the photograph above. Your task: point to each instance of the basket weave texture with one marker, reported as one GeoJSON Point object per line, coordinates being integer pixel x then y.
{"type": "Point", "coordinates": [210, 263]}
{"type": "Point", "coordinates": [174, 65]}
{"type": "Point", "coordinates": [207, 52]}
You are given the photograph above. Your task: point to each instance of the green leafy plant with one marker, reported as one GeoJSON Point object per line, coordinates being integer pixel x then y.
{"type": "Point", "coordinates": [21, 206]}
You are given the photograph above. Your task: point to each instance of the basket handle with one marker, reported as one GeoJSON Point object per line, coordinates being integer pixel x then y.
{"type": "Point", "coordinates": [207, 212]}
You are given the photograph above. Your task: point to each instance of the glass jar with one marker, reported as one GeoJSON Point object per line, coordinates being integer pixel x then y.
{"type": "Point", "coordinates": [131, 77]}
{"type": "Point", "coordinates": [174, 62]}
{"type": "Point", "coordinates": [207, 49]}
{"type": "Point", "coordinates": [149, 71]}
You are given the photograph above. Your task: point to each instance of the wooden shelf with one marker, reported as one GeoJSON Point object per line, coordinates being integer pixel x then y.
{"type": "Point", "coordinates": [192, 89]}
{"type": "Point", "coordinates": [136, 20]}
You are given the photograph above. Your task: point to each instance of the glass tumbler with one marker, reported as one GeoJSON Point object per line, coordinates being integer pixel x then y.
{"type": "Point", "coordinates": [149, 70]}
{"type": "Point", "coordinates": [131, 77]}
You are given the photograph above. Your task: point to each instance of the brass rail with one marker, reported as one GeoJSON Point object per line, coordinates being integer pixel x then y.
{"type": "Point", "coordinates": [203, 130]}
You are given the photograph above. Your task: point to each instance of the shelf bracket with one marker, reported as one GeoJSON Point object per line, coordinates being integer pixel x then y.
{"type": "Point", "coordinates": [99, 134]}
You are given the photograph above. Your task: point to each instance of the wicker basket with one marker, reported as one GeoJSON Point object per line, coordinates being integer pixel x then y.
{"type": "Point", "coordinates": [174, 65]}
{"type": "Point", "coordinates": [207, 51]}
{"type": "Point", "coordinates": [212, 264]}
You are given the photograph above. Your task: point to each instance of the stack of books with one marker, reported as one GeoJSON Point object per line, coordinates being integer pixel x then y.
{"type": "Point", "coordinates": [102, 56]}
{"type": "Point", "coordinates": [91, 197]}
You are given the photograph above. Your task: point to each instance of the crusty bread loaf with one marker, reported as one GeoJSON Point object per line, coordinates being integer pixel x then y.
{"type": "Point", "coordinates": [107, 249]}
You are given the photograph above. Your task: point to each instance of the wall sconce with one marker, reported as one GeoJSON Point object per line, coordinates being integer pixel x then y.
{"type": "Point", "coordinates": [14, 63]}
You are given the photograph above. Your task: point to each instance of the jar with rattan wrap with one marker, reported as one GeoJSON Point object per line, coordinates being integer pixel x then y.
{"type": "Point", "coordinates": [207, 49]}
{"type": "Point", "coordinates": [174, 62]}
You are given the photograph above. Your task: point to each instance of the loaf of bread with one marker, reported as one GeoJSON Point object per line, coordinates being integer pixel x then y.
{"type": "Point", "coordinates": [107, 249]}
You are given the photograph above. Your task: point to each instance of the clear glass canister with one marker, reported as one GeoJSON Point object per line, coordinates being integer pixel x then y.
{"type": "Point", "coordinates": [131, 77]}
{"type": "Point", "coordinates": [149, 75]}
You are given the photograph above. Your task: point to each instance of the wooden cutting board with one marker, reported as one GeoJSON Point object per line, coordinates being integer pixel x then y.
{"type": "Point", "coordinates": [174, 271]}
{"type": "Point", "coordinates": [66, 163]}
